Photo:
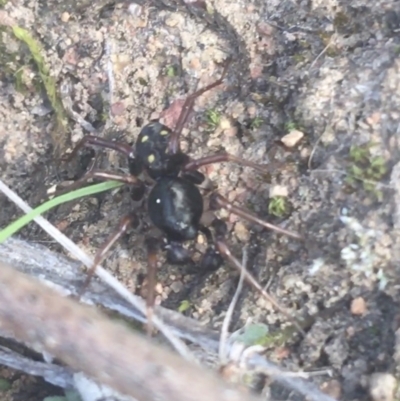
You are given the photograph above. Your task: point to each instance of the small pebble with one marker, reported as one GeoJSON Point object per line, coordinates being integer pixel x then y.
{"type": "Point", "coordinates": [225, 123]}
{"type": "Point", "coordinates": [358, 306]}
{"type": "Point", "coordinates": [65, 17]}
{"type": "Point", "coordinates": [41, 110]}
{"type": "Point", "coordinates": [374, 119]}
{"type": "Point", "coordinates": [159, 288]}
{"type": "Point", "coordinates": [195, 63]}
{"type": "Point", "coordinates": [135, 9]}
{"type": "Point", "coordinates": [278, 190]}
{"type": "Point", "coordinates": [382, 386]}
{"type": "Point", "coordinates": [292, 138]}
{"type": "Point", "coordinates": [176, 286]}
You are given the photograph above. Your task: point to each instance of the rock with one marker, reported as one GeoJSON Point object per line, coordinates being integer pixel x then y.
{"type": "Point", "coordinates": [382, 386]}
{"type": "Point", "coordinates": [292, 138]}
{"type": "Point", "coordinates": [358, 306]}
{"type": "Point", "coordinates": [278, 190]}
{"type": "Point", "coordinates": [65, 17]}
{"type": "Point", "coordinates": [135, 9]}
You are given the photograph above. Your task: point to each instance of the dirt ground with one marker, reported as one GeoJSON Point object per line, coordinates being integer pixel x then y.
{"type": "Point", "coordinates": [327, 69]}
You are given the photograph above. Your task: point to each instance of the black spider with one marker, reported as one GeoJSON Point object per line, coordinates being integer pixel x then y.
{"type": "Point", "coordinates": [174, 204]}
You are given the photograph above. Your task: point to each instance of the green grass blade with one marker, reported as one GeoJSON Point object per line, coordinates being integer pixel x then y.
{"type": "Point", "coordinates": [79, 193]}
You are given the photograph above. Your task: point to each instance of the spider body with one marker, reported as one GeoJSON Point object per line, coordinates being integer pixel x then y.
{"type": "Point", "coordinates": [175, 203]}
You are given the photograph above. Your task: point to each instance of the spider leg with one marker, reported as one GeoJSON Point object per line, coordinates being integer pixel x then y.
{"type": "Point", "coordinates": [135, 167]}
{"type": "Point", "coordinates": [152, 246]}
{"type": "Point", "coordinates": [217, 201]}
{"type": "Point", "coordinates": [176, 254]}
{"type": "Point", "coordinates": [173, 146]}
{"type": "Point", "coordinates": [220, 230]}
{"type": "Point", "coordinates": [138, 185]}
{"type": "Point", "coordinates": [93, 140]}
{"type": "Point", "coordinates": [223, 157]}
{"type": "Point", "coordinates": [130, 220]}
{"type": "Point", "coordinates": [211, 259]}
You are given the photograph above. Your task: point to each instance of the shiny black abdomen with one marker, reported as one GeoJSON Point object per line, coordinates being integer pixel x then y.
{"type": "Point", "coordinates": [175, 206]}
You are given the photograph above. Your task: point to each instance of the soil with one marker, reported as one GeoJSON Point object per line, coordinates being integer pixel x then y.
{"type": "Point", "coordinates": [328, 69]}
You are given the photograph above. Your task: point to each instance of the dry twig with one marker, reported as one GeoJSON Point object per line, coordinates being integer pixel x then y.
{"type": "Point", "coordinates": [106, 351]}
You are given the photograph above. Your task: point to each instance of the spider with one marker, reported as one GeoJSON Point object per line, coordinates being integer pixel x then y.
{"type": "Point", "coordinates": [175, 203]}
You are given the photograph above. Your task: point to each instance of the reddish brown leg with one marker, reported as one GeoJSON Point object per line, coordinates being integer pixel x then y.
{"type": "Point", "coordinates": [217, 201]}
{"type": "Point", "coordinates": [220, 158]}
{"type": "Point", "coordinates": [127, 221]}
{"type": "Point", "coordinates": [93, 140]}
{"type": "Point", "coordinates": [222, 247]}
{"type": "Point", "coordinates": [174, 147]}
{"type": "Point", "coordinates": [152, 245]}
{"type": "Point", "coordinates": [104, 176]}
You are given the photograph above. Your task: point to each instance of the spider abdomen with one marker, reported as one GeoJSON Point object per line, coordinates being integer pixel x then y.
{"type": "Point", "coordinates": [175, 206]}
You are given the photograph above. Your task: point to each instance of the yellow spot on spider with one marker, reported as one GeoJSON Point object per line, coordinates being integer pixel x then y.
{"type": "Point", "coordinates": [164, 132]}
{"type": "Point", "coordinates": [151, 158]}
{"type": "Point", "coordinates": [145, 138]}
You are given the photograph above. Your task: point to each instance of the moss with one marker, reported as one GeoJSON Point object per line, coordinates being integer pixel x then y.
{"type": "Point", "coordinates": [256, 123]}
{"type": "Point", "coordinates": [279, 338]}
{"type": "Point", "coordinates": [48, 82]}
{"type": "Point", "coordinates": [213, 118]}
{"type": "Point", "coordinates": [278, 206]}
{"type": "Point", "coordinates": [366, 169]}
{"type": "Point", "coordinates": [291, 126]}
{"type": "Point", "coordinates": [171, 71]}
